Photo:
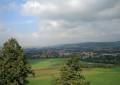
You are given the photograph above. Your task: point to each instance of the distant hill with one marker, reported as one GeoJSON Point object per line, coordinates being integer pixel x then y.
{"type": "Point", "coordinates": [80, 46]}
{"type": "Point", "coordinates": [66, 49]}
{"type": "Point", "coordinates": [90, 45]}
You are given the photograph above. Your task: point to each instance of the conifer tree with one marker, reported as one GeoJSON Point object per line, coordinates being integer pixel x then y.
{"type": "Point", "coordinates": [14, 68]}
{"type": "Point", "coordinates": [70, 73]}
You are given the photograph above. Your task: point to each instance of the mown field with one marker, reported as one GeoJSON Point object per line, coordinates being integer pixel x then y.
{"type": "Point", "coordinates": [47, 69]}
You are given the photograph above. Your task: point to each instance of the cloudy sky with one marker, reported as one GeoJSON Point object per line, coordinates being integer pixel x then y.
{"type": "Point", "coordinates": [37, 23]}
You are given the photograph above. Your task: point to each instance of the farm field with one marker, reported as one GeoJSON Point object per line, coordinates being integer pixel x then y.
{"type": "Point", "coordinates": [47, 69]}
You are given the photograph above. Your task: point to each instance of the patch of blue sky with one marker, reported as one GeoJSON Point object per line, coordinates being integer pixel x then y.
{"type": "Point", "coordinates": [14, 20]}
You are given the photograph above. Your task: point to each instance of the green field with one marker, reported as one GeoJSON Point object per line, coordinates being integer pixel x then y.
{"type": "Point", "coordinates": [47, 69]}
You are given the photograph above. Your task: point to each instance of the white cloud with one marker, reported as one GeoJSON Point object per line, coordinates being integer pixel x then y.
{"type": "Point", "coordinates": [35, 35]}
{"type": "Point", "coordinates": [4, 34]}
{"type": "Point", "coordinates": [71, 21]}
{"type": "Point", "coordinates": [34, 7]}
{"type": "Point", "coordinates": [56, 7]}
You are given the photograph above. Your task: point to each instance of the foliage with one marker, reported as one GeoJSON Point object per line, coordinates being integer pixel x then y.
{"type": "Point", "coordinates": [71, 73]}
{"type": "Point", "coordinates": [14, 68]}
{"type": "Point", "coordinates": [106, 59]}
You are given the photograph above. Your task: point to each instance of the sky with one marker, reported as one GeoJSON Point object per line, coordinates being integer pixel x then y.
{"type": "Point", "coordinates": [39, 23]}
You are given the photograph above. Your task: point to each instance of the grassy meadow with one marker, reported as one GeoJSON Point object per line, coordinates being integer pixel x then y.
{"type": "Point", "coordinates": [47, 69]}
